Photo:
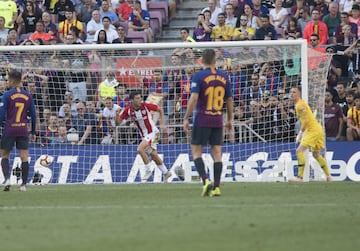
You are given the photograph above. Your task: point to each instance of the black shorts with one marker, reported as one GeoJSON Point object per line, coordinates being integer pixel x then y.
{"type": "Point", "coordinates": [207, 135]}
{"type": "Point", "coordinates": [21, 143]}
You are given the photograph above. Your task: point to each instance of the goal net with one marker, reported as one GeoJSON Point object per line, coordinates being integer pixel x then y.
{"type": "Point", "coordinates": [77, 89]}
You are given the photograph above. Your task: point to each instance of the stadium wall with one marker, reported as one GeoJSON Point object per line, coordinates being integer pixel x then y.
{"type": "Point", "coordinates": [119, 164]}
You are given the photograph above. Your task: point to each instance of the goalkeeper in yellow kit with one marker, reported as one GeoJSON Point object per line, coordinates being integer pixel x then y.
{"type": "Point", "coordinates": [311, 135]}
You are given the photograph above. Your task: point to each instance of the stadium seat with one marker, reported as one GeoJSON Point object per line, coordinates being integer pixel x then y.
{"type": "Point", "coordinates": [163, 7]}
{"type": "Point", "coordinates": [137, 36]}
{"type": "Point", "coordinates": [156, 21]}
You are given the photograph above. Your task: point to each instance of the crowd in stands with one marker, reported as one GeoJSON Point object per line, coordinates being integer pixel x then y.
{"type": "Point", "coordinates": [85, 102]}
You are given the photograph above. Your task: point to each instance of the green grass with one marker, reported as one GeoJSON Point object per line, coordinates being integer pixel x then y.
{"type": "Point", "coordinates": [248, 216]}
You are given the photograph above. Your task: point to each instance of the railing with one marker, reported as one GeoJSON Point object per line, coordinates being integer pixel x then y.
{"type": "Point", "coordinates": [241, 133]}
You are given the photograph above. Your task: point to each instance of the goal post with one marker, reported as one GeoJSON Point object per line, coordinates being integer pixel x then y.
{"type": "Point", "coordinates": [78, 87]}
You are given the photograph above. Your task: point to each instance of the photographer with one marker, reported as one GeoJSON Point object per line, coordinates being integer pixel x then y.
{"type": "Point", "coordinates": [353, 53]}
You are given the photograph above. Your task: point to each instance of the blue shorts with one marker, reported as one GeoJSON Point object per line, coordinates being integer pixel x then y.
{"type": "Point", "coordinates": [21, 143]}
{"type": "Point", "coordinates": [207, 135]}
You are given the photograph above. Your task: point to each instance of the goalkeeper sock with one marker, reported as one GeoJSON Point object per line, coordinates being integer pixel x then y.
{"type": "Point", "coordinates": [217, 173]}
{"type": "Point", "coordinates": [301, 164]}
{"type": "Point", "coordinates": [323, 164]}
{"type": "Point", "coordinates": [162, 168]}
{"type": "Point", "coordinates": [5, 168]}
{"type": "Point", "coordinates": [200, 167]}
{"type": "Point", "coordinates": [25, 172]}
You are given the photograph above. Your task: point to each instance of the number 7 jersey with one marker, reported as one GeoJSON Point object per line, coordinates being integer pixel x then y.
{"type": "Point", "coordinates": [213, 87]}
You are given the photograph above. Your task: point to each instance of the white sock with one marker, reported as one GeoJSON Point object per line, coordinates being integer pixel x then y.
{"type": "Point", "coordinates": [147, 167]}
{"type": "Point", "coordinates": [163, 168]}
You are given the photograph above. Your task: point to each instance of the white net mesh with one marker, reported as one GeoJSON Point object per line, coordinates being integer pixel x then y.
{"type": "Point", "coordinates": [78, 88]}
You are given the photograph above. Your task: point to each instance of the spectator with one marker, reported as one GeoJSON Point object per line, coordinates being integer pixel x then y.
{"type": "Point", "coordinates": [253, 91]}
{"type": "Point", "coordinates": [71, 20]}
{"type": "Point", "coordinates": [258, 8]}
{"type": "Point", "coordinates": [49, 26]}
{"type": "Point", "coordinates": [243, 31]}
{"type": "Point", "coordinates": [109, 115]}
{"type": "Point", "coordinates": [253, 21]}
{"type": "Point", "coordinates": [111, 33]}
{"type": "Point", "coordinates": [160, 88]}
{"type": "Point", "coordinates": [238, 6]}
{"type": "Point", "coordinates": [266, 31]}
{"type": "Point", "coordinates": [353, 53]}
{"type": "Point", "coordinates": [222, 31]}
{"type": "Point", "coordinates": [37, 94]}
{"type": "Point", "coordinates": [61, 139]}
{"type": "Point", "coordinates": [214, 9]}
{"type": "Point", "coordinates": [345, 21]}
{"type": "Point", "coordinates": [68, 117]}
{"type": "Point", "coordinates": [76, 34]}
{"type": "Point", "coordinates": [353, 122]}
{"type": "Point", "coordinates": [345, 5]}
{"type": "Point", "coordinates": [85, 124]}
{"type": "Point", "coordinates": [40, 33]}
{"type": "Point", "coordinates": [101, 37]}
{"type": "Point", "coordinates": [139, 20]}
{"type": "Point", "coordinates": [107, 87]}
{"type": "Point", "coordinates": [278, 15]}
{"type": "Point", "coordinates": [332, 20]}
{"type": "Point", "coordinates": [123, 39]}
{"type": "Point", "coordinates": [68, 99]}
{"type": "Point", "coordinates": [3, 31]}
{"type": "Point", "coordinates": [122, 98]}
{"type": "Point", "coordinates": [304, 17]}
{"type": "Point", "coordinates": [340, 98]}
{"type": "Point", "coordinates": [334, 73]}
{"type": "Point", "coordinates": [86, 9]}
{"type": "Point", "coordinates": [105, 11]}
{"type": "Point", "coordinates": [231, 19]}
{"type": "Point", "coordinates": [92, 26]}
{"type": "Point", "coordinates": [315, 43]}
{"type": "Point", "coordinates": [333, 117]}
{"type": "Point", "coordinates": [355, 17]}
{"type": "Point", "coordinates": [9, 11]}
{"type": "Point", "coordinates": [292, 29]}
{"type": "Point", "coordinates": [50, 131]}
{"type": "Point", "coordinates": [316, 27]}
{"type": "Point", "coordinates": [272, 79]}
{"type": "Point", "coordinates": [125, 10]}
{"type": "Point", "coordinates": [12, 38]}
{"type": "Point", "coordinates": [202, 31]}
{"type": "Point", "coordinates": [59, 11]}
{"type": "Point", "coordinates": [27, 19]}
{"type": "Point", "coordinates": [321, 7]}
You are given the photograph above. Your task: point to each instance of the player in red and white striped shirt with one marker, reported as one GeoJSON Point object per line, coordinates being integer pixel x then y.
{"type": "Point", "coordinates": [140, 113]}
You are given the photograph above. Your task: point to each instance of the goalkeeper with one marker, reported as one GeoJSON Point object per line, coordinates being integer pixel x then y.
{"type": "Point", "coordinates": [311, 135]}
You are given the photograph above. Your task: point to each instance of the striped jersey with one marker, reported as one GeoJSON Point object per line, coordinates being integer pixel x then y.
{"type": "Point", "coordinates": [141, 117]}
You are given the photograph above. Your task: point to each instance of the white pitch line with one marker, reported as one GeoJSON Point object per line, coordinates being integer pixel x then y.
{"type": "Point", "coordinates": [101, 207]}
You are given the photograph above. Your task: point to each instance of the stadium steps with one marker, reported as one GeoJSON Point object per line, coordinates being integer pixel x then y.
{"type": "Point", "coordinates": [186, 16]}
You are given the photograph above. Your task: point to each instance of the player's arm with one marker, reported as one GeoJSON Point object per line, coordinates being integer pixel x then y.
{"type": "Point", "coordinates": [162, 118]}
{"type": "Point", "coordinates": [33, 120]}
{"type": "Point", "coordinates": [230, 111]}
{"type": "Point", "coordinates": [3, 108]}
{"type": "Point", "coordinates": [190, 108]}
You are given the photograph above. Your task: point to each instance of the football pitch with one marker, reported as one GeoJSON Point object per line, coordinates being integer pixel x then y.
{"type": "Point", "coordinates": [172, 217]}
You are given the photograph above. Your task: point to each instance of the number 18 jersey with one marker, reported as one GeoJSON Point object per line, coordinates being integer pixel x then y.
{"type": "Point", "coordinates": [213, 87]}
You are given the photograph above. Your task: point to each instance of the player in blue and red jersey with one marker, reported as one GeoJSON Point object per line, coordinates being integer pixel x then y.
{"type": "Point", "coordinates": [210, 89]}
{"type": "Point", "coordinates": [15, 107]}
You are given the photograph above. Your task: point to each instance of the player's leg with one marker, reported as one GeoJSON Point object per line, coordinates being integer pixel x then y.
{"type": "Point", "coordinates": [160, 164]}
{"type": "Point", "coordinates": [216, 153]}
{"type": "Point", "coordinates": [142, 148]}
{"type": "Point", "coordinates": [322, 162]}
{"type": "Point", "coordinates": [199, 137]}
{"type": "Point", "coordinates": [22, 144]}
{"type": "Point", "coordinates": [5, 166]}
{"type": "Point", "coordinates": [300, 154]}
{"type": "Point", "coordinates": [6, 146]}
